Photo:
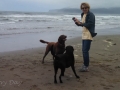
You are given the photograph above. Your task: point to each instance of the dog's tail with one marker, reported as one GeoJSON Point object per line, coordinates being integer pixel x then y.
{"type": "Point", "coordinates": [42, 41]}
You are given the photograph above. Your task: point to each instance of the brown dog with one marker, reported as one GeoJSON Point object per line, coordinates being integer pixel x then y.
{"type": "Point", "coordinates": [55, 47]}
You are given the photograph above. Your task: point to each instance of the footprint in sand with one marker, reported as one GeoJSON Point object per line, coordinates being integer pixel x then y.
{"type": "Point", "coordinates": [34, 87]}
{"type": "Point", "coordinates": [102, 84]}
{"type": "Point", "coordinates": [106, 68]}
{"type": "Point", "coordinates": [16, 75]}
{"type": "Point", "coordinates": [110, 43]}
{"type": "Point", "coordinates": [100, 54]}
{"type": "Point", "coordinates": [11, 69]}
{"type": "Point", "coordinates": [108, 87]}
{"type": "Point", "coordinates": [42, 73]}
{"type": "Point", "coordinates": [117, 67]}
{"type": "Point", "coordinates": [28, 79]}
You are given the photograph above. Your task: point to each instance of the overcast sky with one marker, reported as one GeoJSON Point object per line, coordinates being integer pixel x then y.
{"type": "Point", "coordinates": [46, 5]}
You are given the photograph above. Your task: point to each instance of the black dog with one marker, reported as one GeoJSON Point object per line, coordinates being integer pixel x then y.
{"type": "Point", "coordinates": [63, 61]}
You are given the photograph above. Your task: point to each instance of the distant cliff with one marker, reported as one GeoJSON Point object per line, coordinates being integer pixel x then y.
{"type": "Point", "coordinates": [115, 10]}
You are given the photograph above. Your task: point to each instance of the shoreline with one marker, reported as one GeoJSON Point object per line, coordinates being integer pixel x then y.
{"type": "Point", "coordinates": [41, 45]}
{"type": "Point", "coordinates": [31, 40]}
{"type": "Point", "coordinates": [68, 41]}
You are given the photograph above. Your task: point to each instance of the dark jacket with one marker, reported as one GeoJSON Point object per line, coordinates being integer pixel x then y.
{"type": "Point", "coordinates": [89, 23]}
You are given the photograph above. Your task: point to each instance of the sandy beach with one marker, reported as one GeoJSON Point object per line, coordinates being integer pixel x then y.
{"type": "Point", "coordinates": [22, 70]}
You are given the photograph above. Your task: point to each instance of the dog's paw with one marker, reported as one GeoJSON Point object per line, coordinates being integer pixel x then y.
{"type": "Point", "coordinates": [77, 77]}
{"type": "Point", "coordinates": [42, 62]}
{"type": "Point", "coordinates": [61, 82]}
{"type": "Point", "coordinates": [55, 82]}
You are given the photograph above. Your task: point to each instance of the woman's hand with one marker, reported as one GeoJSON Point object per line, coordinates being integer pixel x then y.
{"type": "Point", "coordinates": [77, 21]}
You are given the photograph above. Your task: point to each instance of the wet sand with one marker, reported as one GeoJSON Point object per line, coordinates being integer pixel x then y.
{"type": "Point", "coordinates": [22, 70]}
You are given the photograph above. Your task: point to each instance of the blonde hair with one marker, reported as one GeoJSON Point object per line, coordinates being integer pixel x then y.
{"type": "Point", "coordinates": [85, 4]}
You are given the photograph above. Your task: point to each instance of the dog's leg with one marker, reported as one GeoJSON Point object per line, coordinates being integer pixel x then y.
{"type": "Point", "coordinates": [73, 68]}
{"type": "Point", "coordinates": [46, 52]}
{"type": "Point", "coordinates": [62, 73]}
{"type": "Point", "coordinates": [44, 56]}
{"type": "Point", "coordinates": [55, 70]}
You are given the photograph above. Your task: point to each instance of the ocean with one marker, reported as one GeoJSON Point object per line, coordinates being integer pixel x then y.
{"type": "Point", "coordinates": [23, 30]}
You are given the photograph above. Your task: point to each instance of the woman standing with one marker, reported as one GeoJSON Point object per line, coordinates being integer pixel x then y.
{"type": "Point", "coordinates": [88, 25]}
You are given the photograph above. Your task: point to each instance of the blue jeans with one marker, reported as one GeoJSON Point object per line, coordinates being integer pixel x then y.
{"type": "Point", "coordinates": [85, 50]}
